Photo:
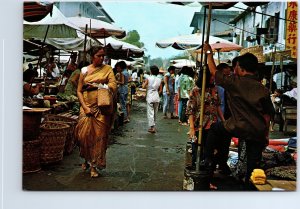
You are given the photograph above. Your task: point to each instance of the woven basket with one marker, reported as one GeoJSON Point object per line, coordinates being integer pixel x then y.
{"type": "Point", "coordinates": [53, 136]}
{"type": "Point", "coordinates": [70, 140]}
{"type": "Point", "coordinates": [31, 156]}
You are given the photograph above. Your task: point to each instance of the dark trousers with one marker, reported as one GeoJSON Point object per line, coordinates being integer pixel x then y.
{"type": "Point", "coordinates": [195, 146]}
{"type": "Point", "coordinates": [217, 133]}
{"type": "Point", "coordinates": [183, 117]}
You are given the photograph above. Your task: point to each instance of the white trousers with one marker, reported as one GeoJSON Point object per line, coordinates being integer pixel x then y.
{"type": "Point", "coordinates": [152, 109]}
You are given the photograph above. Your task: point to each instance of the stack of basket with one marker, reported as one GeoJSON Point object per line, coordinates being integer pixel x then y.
{"type": "Point", "coordinates": [31, 156]}
{"type": "Point", "coordinates": [70, 140]}
{"type": "Point", "coordinates": [31, 142]}
{"type": "Point", "coordinates": [53, 136]}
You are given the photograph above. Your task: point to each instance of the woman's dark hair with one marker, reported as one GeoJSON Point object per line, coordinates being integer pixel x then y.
{"type": "Point", "coordinates": [222, 66]}
{"type": "Point", "coordinates": [122, 65]}
{"type": "Point", "coordinates": [95, 49]}
{"type": "Point", "coordinates": [83, 64]}
{"type": "Point", "coordinates": [141, 71]}
{"type": "Point", "coordinates": [154, 70]}
{"type": "Point", "coordinates": [207, 83]}
{"type": "Point", "coordinates": [183, 70]}
{"type": "Point", "coordinates": [190, 72]}
{"type": "Point", "coordinates": [248, 62]}
{"type": "Point", "coordinates": [171, 68]}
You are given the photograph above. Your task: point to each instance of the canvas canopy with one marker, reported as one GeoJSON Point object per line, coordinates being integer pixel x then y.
{"type": "Point", "coordinates": [58, 27]}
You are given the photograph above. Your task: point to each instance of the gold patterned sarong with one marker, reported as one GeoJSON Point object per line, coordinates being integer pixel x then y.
{"type": "Point", "coordinates": [92, 130]}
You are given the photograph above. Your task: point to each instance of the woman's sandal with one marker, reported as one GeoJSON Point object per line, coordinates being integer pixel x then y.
{"type": "Point", "coordinates": [94, 173]}
{"type": "Point", "coordinates": [151, 130]}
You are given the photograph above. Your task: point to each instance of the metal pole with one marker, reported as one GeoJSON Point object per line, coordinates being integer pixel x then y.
{"type": "Point", "coordinates": [272, 71]}
{"type": "Point", "coordinates": [203, 92]}
{"type": "Point", "coordinates": [281, 71]}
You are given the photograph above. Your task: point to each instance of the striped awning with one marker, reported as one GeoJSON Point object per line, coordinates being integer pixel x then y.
{"type": "Point", "coordinates": [35, 11]}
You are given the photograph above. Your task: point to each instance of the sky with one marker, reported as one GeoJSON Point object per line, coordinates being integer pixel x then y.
{"type": "Point", "coordinates": [154, 21]}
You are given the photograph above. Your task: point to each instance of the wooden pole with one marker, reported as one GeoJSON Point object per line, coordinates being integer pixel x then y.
{"type": "Point", "coordinates": [203, 93]}
{"type": "Point", "coordinates": [203, 31]}
{"type": "Point", "coordinates": [84, 48]}
{"type": "Point", "coordinates": [41, 54]}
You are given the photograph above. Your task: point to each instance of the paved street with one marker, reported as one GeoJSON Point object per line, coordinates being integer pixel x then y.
{"type": "Point", "coordinates": [136, 161]}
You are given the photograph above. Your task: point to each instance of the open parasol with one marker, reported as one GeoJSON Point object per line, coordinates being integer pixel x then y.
{"type": "Point", "coordinates": [223, 47]}
{"type": "Point", "coordinates": [116, 49]}
{"type": "Point", "coordinates": [188, 41]}
{"type": "Point", "coordinates": [98, 28]}
{"type": "Point", "coordinates": [52, 26]}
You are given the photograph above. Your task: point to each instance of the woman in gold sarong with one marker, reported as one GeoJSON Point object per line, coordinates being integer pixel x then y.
{"type": "Point", "coordinates": [93, 126]}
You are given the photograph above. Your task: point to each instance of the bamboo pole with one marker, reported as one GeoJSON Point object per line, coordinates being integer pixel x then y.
{"type": "Point", "coordinates": [203, 92]}
{"type": "Point", "coordinates": [203, 31]}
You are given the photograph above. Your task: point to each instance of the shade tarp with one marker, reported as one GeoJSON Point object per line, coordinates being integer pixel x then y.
{"type": "Point", "coordinates": [117, 49]}
{"type": "Point", "coordinates": [179, 63]}
{"type": "Point", "coordinates": [72, 44]}
{"type": "Point", "coordinates": [98, 28]}
{"type": "Point", "coordinates": [59, 27]}
{"type": "Point", "coordinates": [35, 11]}
{"type": "Point", "coordinates": [190, 41]}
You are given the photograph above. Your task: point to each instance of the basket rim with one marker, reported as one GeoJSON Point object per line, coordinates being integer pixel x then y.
{"type": "Point", "coordinates": [49, 116]}
{"type": "Point", "coordinates": [63, 125]}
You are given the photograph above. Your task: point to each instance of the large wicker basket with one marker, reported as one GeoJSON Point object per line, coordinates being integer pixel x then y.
{"type": "Point", "coordinates": [53, 136]}
{"type": "Point", "coordinates": [70, 140]}
{"type": "Point", "coordinates": [31, 156]}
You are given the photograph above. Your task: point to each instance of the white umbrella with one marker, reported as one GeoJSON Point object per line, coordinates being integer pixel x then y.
{"type": "Point", "coordinates": [99, 28]}
{"type": "Point", "coordinates": [55, 26]}
{"type": "Point", "coordinates": [117, 49]}
{"type": "Point", "coordinates": [117, 44]}
{"type": "Point", "coordinates": [179, 63]}
{"type": "Point", "coordinates": [72, 44]}
{"type": "Point", "coordinates": [188, 41]}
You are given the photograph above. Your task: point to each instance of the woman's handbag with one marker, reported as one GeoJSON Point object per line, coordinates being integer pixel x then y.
{"type": "Point", "coordinates": [105, 101]}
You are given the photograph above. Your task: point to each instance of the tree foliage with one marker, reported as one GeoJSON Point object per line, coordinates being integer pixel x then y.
{"type": "Point", "coordinates": [133, 37]}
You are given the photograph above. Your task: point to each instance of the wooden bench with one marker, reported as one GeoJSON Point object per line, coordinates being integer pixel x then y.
{"type": "Point", "coordinates": [277, 185]}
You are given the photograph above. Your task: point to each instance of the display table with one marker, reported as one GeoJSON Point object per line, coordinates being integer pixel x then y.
{"type": "Point", "coordinates": [277, 185]}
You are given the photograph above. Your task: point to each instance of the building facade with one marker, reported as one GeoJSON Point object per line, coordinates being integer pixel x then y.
{"type": "Point", "coordinates": [86, 9]}
{"type": "Point", "coordinates": [217, 28]}
{"type": "Point", "coordinates": [262, 25]}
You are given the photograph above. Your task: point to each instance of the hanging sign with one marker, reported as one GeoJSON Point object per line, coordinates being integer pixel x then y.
{"type": "Point", "coordinates": [291, 28]}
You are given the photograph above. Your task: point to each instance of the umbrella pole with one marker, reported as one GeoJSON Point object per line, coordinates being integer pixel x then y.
{"type": "Point", "coordinates": [40, 58]}
{"type": "Point", "coordinates": [218, 56]}
{"type": "Point", "coordinates": [203, 31]}
{"type": "Point", "coordinates": [281, 71]}
{"type": "Point", "coordinates": [272, 71]}
{"type": "Point", "coordinates": [84, 49]}
{"type": "Point", "coordinates": [203, 93]}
